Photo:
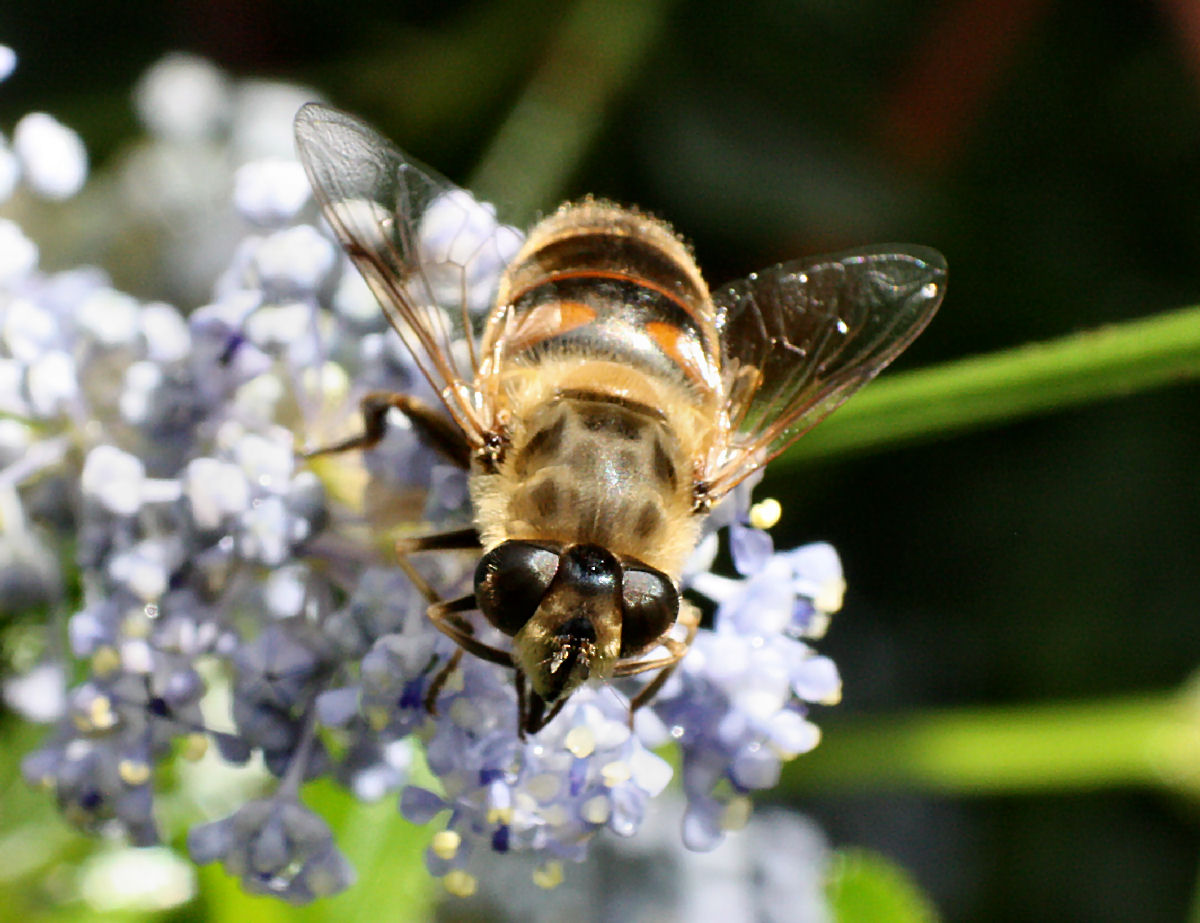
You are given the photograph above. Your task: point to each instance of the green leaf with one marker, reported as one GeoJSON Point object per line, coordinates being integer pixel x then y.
{"type": "Point", "coordinates": [985, 390]}
{"type": "Point", "coordinates": [592, 59]}
{"type": "Point", "coordinates": [1065, 746]}
{"type": "Point", "coordinates": [865, 887]}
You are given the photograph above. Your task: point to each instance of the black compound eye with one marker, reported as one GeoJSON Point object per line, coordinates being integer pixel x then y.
{"type": "Point", "coordinates": [650, 604]}
{"type": "Point", "coordinates": [510, 582]}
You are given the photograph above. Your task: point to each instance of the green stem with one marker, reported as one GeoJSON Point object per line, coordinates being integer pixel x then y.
{"type": "Point", "coordinates": [1120, 359]}
{"type": "Point", "coordinates": [1147, 741]}
{"type": "Point", "coordinates": [591, 61]}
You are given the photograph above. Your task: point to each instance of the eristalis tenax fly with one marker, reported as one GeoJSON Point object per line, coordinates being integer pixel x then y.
{"type": "Point", "coordinates": [600, 396]}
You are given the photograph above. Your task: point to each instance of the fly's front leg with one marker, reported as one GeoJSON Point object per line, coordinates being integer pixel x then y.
{"type": "Point", "coordinates": [446, 616]}
{"type": "Point", "coordinates": [457, 540]}
{"type": "Point", "coordinates": [532, 715]}
{"type": "Point", "coordinates": [447, 619]}
{"type": "Point", "coordinates": [434, 428]}
{"type": "Point", "coordinates": [689, 618]}
{"type": "Point", "coordinates": [439, 680]}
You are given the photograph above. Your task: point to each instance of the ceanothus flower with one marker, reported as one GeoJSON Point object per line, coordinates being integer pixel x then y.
{"type": "Point", "coordinates": [277, 847]}
{"type": "Point", "coordinates": [168, 441]}
{"type": "Point", "coordinates": [739, 703]}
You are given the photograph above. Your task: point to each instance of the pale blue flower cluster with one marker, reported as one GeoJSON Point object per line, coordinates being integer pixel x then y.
{"type": "Point", "coordinates": [162, 445]}
{"type": "Point", "coordinates": [740, 701]}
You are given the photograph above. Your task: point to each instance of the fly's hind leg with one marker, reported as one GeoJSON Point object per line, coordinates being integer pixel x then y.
{"type": "Point", "coordinates": [689, 618]}
{"type": "Point", "coordinates": [434, 428]}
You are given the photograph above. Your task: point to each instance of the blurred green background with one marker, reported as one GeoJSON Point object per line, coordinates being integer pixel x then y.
{"type": "Point", "coordinates": [1051, 150]}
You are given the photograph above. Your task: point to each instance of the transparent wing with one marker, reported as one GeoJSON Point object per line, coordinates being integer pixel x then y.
{"type": "Point", "coordinates": [430, 252]}
{"type": "Point", "coordinates": [801, 337]}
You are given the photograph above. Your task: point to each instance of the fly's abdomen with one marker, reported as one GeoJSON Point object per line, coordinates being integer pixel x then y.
{"type": "Point", "coordinates": [599, 281]}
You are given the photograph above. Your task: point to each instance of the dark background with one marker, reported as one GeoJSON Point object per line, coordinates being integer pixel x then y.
{"type": "Point", "coordinates": [1050, 150]}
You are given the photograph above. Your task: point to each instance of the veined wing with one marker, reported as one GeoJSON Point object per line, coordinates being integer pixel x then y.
{"type": "Point", "coordinates": [430, 252]}
{"type": "Point", "coordinates": [801, 337]}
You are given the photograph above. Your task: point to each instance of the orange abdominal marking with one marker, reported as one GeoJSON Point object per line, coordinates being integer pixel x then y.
{"type": "Point", "coordinates": [627, 277]}
{"type": "Point", "coordinates": [574, 314]}
{"type": "Point", "coordinates": [549, 320]}
{"type": "Point", "coordinates": [671, 340]}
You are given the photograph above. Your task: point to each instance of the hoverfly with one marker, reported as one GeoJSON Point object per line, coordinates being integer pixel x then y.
{"type": "Point", "coordinates": [601, 398]}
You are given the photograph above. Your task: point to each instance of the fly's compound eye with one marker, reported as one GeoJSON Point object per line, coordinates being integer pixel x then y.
{"type": "Point", "coordinates": [510, 582]}
{"type": "Point", "coordinates": [650, 604]}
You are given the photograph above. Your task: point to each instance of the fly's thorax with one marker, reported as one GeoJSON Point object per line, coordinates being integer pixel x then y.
{"type": "Point", "coordinates": [590, 463]}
